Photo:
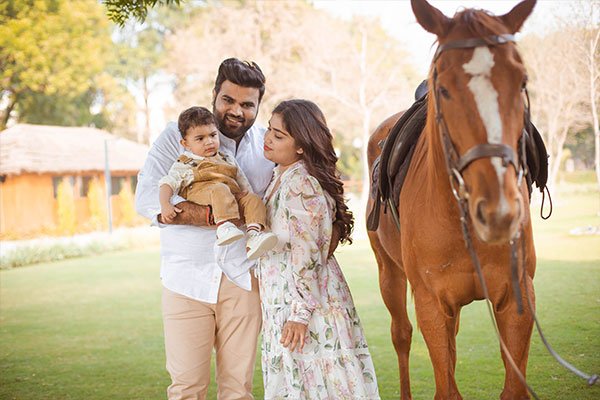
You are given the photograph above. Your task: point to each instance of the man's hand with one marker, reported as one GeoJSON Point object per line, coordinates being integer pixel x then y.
{"type": "Point", "coordinates": [189, 214]}
{"type": "Point", "coordinates": [293, 335]}
{"type": "Point", "coordinates": [336, 233]}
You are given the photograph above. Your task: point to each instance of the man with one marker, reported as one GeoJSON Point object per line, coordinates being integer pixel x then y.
{"type": "Point", "coordinates": [202, 308]}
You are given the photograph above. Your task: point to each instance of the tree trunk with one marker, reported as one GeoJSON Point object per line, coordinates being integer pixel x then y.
{"type": "Point", "coordinates": [595, 124]}
{"type": "Point", "coordinates": [146, 137]}
{"type": "Point", "coordinates": [366, 126]}
{"type": "Point", "coordinates": [12, 102]}
{"type": "Point", "coordinates": [555, 164]}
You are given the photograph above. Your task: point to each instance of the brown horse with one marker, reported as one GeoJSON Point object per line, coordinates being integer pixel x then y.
{"type": "Point", "coordinates": [475, 119]}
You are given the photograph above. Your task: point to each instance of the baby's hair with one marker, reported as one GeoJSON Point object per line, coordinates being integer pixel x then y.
{"type": "Point", "coordinates": [193, 117]}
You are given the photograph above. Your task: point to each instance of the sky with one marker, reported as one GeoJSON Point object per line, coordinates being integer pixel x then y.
{"type": "Point", "coordinates": [399, 21]}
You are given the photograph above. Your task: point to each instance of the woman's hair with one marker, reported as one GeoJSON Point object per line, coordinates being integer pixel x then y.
{"type": "Point", "coordinates": [306, 124]}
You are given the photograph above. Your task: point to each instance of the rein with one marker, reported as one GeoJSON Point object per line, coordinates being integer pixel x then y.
{"type": "Point", "coordinates": [455, 165]}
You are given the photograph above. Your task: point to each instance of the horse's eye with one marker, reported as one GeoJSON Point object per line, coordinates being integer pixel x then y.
{"type": "Point", "coordinates": [444, 92]}
{"type": "Point", "coordinates": [524, 83]}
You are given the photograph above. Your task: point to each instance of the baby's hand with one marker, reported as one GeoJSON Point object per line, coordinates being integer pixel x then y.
{"type": "Point", "coordinates": [168, 213]}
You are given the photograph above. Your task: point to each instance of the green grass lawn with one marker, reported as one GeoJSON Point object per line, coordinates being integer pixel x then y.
{"type": "Point", "coordinates": [91, 328]}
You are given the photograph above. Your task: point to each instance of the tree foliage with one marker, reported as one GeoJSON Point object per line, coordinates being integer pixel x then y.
{"type": "Point", "coordinates": [564, 81]}
{"type": "Point", "coordinates": [353, 70]}
{"type": "Point", "coordinates": [120, 11]}
{"type": "Point", "coordinates": [51, 48]}
{"type": "Point", "coordinates": [140, 57]}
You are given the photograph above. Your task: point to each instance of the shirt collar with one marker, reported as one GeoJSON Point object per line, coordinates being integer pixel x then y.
{"type": "Point", "coordinates": [192, 155]}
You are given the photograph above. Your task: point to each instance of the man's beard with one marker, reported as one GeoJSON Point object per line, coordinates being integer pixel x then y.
{"type": "Point", "coordinates": [232, 132]}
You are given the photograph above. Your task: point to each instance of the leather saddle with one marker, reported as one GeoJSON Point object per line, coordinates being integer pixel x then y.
{"type": "Point", "coordinates": [391, 167]}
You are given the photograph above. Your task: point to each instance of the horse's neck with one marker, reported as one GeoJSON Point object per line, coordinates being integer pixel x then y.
{"type": "Point", "coordinates": [436, 174]}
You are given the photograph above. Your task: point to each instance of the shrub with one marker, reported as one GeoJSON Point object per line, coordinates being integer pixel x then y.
{"type": "Point", "coordinates": [65, 208]}
{"type": "Point", "coordinates": [128, 215]}
{"type": "Point", "coordinates": [34, 254]}
{"type": "Point", "coordinates": [97, 206]}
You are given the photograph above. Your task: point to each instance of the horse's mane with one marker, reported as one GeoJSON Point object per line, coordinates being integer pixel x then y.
{"type": "Point", "coordinates": [480, 23]}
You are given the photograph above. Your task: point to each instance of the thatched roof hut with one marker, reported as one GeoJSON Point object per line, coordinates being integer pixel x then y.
{"type": "Point", "coordinates": [28, 148]}
{"type": "Point", "coordinates": [36, 159]}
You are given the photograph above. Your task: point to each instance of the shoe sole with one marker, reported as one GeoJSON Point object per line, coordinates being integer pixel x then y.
{"type": "Point", "coordinates": [263, 248]}
{"type": "Point", "coordinates": [230, 239]}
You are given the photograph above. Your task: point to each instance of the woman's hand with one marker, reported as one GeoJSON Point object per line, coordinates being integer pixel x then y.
{"type": "Point", "coordinates": [293, 335]}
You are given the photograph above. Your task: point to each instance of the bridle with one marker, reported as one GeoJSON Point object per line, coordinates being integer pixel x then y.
{"type": "Point", "coordinates": [456, 164]}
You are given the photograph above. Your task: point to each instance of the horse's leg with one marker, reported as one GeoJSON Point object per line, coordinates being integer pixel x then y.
{"type": "Point", "coordinates": [515, 330]}
{"type": "Point", "coordinates": [392, 283]}
{"type": "Point", "coordinates": [439, 331]}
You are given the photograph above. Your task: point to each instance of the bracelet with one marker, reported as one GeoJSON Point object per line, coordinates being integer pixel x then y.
{"type": "Point", "coordinates": [209, 217]}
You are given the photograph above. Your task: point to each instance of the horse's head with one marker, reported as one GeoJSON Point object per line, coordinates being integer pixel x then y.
{"type": "Point", "coordinates": [476, 83]}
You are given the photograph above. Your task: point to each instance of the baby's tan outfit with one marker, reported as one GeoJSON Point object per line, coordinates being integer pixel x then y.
{"type": "Point", "coordinates": [213, 181]}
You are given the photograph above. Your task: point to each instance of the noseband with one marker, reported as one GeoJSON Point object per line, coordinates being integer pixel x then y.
{"type": "Point", "coordinates": [457, 164]}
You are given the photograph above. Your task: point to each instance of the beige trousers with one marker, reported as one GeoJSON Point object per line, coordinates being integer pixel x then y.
{"type": "Point", "coordinates": [193, 328]}
{"type": "Point", "coordinates": [224, 206]}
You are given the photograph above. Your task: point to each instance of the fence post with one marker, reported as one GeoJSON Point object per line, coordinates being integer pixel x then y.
{"type": "Point", "coordinates": [107, 180]}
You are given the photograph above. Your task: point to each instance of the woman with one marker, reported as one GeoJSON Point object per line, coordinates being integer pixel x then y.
{"type": "Point", "coordinates": [313, 344]}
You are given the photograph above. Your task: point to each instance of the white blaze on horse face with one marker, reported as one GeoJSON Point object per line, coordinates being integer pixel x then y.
{"type": "Point", "coordinates": [486, 98]}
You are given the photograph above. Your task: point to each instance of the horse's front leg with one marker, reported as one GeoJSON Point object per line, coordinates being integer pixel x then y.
{"type": "Point", "coordinates": [515, 330]}
{"type": "Point", "coordinates": [392, 283]}
{"type": "Point", "coordinates": [439, 331]}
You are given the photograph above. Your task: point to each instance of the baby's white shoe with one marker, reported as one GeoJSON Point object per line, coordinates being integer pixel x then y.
{"type": "Point", "coordinates": [259, 243]}
{"type": "Point", "coordinates": [228, 233]}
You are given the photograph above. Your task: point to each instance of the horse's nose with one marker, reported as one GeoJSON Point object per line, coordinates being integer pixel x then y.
{"type": "Point", "coordinates": [496, 222]}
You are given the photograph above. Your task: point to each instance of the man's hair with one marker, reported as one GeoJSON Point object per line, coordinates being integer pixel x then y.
{"type": "Point", "coordinates": [193, 117]}
{"type": "Point", "coordinates": [242, 73]}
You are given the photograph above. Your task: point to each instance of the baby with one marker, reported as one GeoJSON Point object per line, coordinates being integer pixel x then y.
{"type": "Point", "coordinates": [206, 176]}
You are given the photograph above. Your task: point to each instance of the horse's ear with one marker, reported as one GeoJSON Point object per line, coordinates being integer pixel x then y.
{"type": "Point", "coordinates": [430, 18]}
{"type": "Point", "coordinates": [514, 19]}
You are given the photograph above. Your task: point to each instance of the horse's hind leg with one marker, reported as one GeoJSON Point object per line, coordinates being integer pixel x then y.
{"type": "Point", "coordinates": [392, 282]}
{"type": "Point", "coordinates": [515, 330]}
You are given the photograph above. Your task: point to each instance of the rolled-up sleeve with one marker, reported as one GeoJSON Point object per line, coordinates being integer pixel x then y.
{"type": "Point", "coordinates": [180, 175]}
{"type": "Point", "coordinates": [162, 155]}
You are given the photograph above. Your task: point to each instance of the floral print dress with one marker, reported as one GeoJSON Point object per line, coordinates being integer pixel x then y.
{"type": "Point", "coordinates": [298, 283]}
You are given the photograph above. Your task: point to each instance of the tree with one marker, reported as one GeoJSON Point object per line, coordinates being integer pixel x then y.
{"type": "Point", "coordinates": [304, 53]}
{"type": "Point", "coordinates": [564, 79]}
{"type": "Point", "coordinates": [51, 52]}
{"type": "Point", "coordinates": [119, 11]}
{"type": "Point", "coordinates": [588, 15]}
{"type": "Point", "coordinates": [140, 58]}
{"type": "Point", "coordinates": [557, 90]}
{"type": "Point", "coordinates": [368, 79]}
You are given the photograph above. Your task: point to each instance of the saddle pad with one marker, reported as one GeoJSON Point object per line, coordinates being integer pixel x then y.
{"type": "Point", "coordinates": [391, 167]}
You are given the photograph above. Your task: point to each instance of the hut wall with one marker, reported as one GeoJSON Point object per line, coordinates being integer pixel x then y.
{"type": "Point", "coordinates": [27, 204]}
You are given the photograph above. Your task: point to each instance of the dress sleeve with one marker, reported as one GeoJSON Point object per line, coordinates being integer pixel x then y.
{"type": "Point", "coordinates": [307, 213]}
{"type": "Point", "coordinates": [180, 175]}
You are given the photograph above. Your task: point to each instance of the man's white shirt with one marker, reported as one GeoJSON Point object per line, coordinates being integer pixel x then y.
{"type": "Point", "coordinates": [191, 262]}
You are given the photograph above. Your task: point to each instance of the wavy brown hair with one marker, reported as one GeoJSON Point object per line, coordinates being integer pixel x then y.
{"type": "Point", "coordinates": [306, 124]}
